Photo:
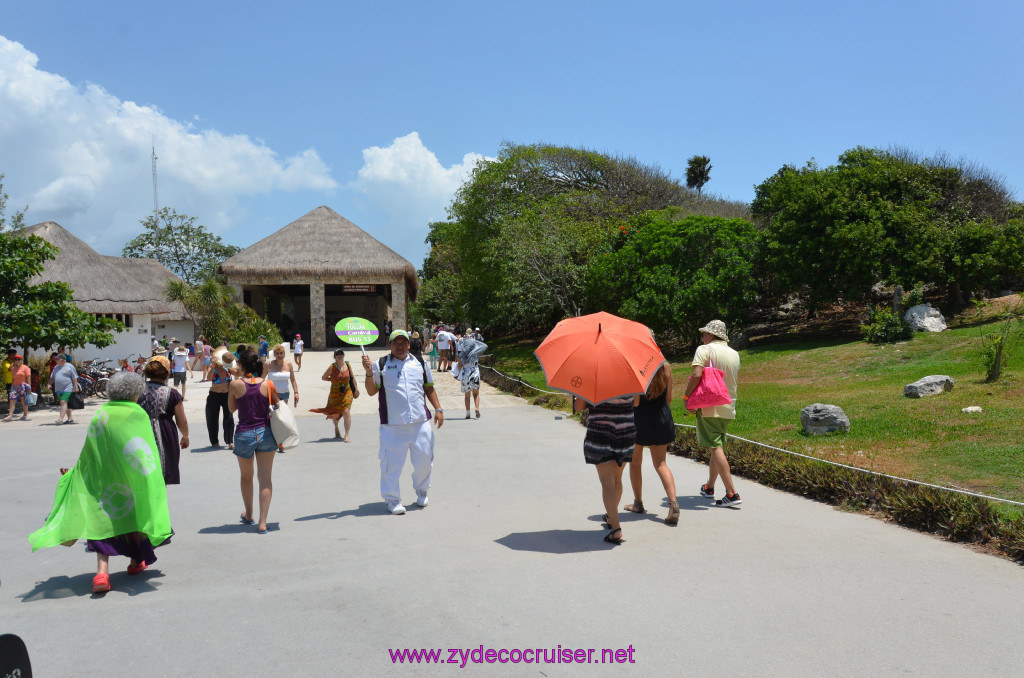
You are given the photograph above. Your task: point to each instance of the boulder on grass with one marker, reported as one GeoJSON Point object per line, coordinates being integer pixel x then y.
{"type": "Point", "coordinates": [973, 409]}
{"type": "Point", "coordinates": [924, 318]}
{"type": "Point", "coordinates": [818, 419]}
{"type": "Point", "coordinates": [930, 385]}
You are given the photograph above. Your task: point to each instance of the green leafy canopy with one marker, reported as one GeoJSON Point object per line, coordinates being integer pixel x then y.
{"type": "Point", "coordinates": [179, 243]}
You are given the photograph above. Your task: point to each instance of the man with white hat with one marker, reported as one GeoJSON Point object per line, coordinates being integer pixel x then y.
{"type": "Point", "coordinates": [405, 384]}
{"type": "Point", "coordinates": [712, 422]}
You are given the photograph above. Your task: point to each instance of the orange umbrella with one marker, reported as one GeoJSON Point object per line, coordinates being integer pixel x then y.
{"type": "Point", "coordinates": [599, 357]}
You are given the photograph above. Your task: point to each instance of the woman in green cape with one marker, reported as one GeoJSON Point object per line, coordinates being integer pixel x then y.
{"type": "Point", "coordinates": [114, 496]}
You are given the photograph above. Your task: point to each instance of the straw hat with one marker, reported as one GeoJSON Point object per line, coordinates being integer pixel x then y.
{"type": "Point", "coordinates": [159, 359]}
{"type": "Point", "coordinates": [181, 350]}
{"type": "Point", "coordinates": [223, 355]}
{"type": "Point", "coordinates": [716, 328]}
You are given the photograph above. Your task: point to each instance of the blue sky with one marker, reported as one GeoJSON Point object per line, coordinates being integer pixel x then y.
{"type": "Point", "coordinates": [261, 112]}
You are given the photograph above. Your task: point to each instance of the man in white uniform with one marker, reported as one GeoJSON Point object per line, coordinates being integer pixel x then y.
{"type": "Point", "coordinates": [405, 384]}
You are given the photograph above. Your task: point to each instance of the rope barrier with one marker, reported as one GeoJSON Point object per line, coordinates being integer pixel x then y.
{"type": "Point", "coordinates": [520, 381]}
{"type": "Point", "coordinates": [797, 454]}
{"type": "Point", "coordinates": [864, 470]}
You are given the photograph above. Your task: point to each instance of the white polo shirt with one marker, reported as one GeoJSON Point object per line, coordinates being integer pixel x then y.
{"type": "Point", "coordinates": [401, 395]}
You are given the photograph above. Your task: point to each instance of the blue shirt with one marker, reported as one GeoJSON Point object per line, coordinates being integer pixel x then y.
{"type": "Point", "coordinates": [402, 397]}
{"type": "Point", "coordinates": [264, 348]}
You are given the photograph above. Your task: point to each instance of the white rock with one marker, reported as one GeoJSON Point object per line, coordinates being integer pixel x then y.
{"type": "Point", "coordinates": [924, 318]}
{"type": "Point", "coordinates": [973, 409]}
{"type": "Point", "coordinates": [930, 385]}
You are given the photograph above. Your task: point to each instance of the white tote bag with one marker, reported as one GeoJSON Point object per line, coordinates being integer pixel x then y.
{"type": "Point", "coordinates": [282, 423]}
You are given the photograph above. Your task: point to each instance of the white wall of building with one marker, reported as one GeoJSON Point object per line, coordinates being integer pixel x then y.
{"type": "Point", "coordinates": [134, 340]}
{"type": "Point", "coordinates": [181, 330]}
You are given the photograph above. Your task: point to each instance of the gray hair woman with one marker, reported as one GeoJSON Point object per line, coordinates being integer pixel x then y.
{"type": "Point", "coordinates": [117, 462]}
{"type": "Point", "coordinates": [127, 386]}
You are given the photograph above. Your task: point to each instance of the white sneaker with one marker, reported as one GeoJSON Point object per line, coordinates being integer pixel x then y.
{"type": "Point", "coordinates": [422, 501]}
{"type": "Point", "coordinates": [396, 509]}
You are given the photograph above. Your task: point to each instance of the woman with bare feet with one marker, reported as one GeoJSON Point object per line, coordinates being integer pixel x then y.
{"type": "Point", "coordinates": [343, 390]}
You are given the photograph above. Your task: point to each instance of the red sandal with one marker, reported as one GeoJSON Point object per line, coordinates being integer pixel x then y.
{"type": "Point", "coordinates": [101, 583]}
{"type": "Point", "coordinates": [137, 567]}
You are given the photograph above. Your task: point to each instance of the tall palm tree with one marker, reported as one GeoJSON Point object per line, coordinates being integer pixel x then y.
{"type": "Point", "coordinates": [698, 172]}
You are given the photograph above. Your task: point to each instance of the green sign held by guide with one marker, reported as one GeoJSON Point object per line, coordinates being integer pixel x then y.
{"type": "Point", "coordinates": [356, 331]}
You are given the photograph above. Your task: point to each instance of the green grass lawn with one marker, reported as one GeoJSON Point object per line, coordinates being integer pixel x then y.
{"type": "Point", "coordinates": [926, 439]}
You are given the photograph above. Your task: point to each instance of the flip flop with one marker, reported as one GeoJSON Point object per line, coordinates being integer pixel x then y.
{"type": "Point", "coordinates": [266, 531]}
{"type": "Point", "coordinates": [245, 521]}
{"type": "Point", "coordinates": [635, 507]}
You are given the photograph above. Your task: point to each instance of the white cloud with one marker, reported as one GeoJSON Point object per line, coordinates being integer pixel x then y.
{"type": "Point", "coordinates": [81, 156]}
{"type": "Point", "coordinates": [407, 182]}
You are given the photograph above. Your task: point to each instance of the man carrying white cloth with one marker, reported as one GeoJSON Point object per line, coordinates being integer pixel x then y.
{"type": "Point", "coordinates": [405, 384]}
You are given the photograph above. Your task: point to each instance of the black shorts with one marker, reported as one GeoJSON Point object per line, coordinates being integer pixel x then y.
{"type": "Point", "coordinates": [179, 377]}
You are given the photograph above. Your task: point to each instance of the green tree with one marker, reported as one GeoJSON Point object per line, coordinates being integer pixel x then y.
{"type": "Point", "coordinates": [179, 243]}
{"type": "Point", "coordinates": [831, 233]}
{"type": "Point", "coordinates": [698, 172]}
{"type": "Point", "coordinates": [522, 229]}
{"type": "Point", "coordinates": [673, 274]}
{"type": "Point", "coordinates": [44, 314]}
{"type": "Point", "coordinates": [39, 316]}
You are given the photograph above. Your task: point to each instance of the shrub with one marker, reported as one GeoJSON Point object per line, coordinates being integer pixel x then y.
{"type": "Point", "coordinates": [674, 275]}
{"type": "Point", "coordinates": [913, 297]}
{"type": "Point", "coordinates": [250, 326]}
{"type": "Point", "coordinates": [885, 326]}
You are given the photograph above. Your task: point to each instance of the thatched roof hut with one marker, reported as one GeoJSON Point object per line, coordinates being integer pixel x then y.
{"type": "Point", "coordinates": [98, 284]}
{"type": "Point", "coordinates": [153, 276]}
{"type": "Point", "coordinates": [320, 267]}
{"type": "Point", "coordinates": [322, 244]}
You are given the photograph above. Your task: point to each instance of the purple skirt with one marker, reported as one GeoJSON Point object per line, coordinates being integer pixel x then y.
{"type": "Point", "coordinates": [134, 545]}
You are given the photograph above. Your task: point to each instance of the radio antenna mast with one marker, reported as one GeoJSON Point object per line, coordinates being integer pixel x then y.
{"type": "Point", "coordinates": [156, 202]}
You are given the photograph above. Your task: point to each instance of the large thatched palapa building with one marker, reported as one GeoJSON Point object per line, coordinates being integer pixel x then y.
{"type": "Point", "coordinates": [319, 269]}
{"type": "Point", "coordinates": [130, 290]}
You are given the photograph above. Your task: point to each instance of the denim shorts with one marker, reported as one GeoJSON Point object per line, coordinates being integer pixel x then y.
{"type": "Point", "coordinates": [256, 440]}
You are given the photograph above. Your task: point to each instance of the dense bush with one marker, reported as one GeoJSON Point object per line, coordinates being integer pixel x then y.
{"type": "Point", "coordinates": [249, 327]}
{"type": "Point", "coordinates": [678, 274]}
{"type": "Point", "coordinates": [885, 326]}
{"type": "Point", "coordinates": [833, 232]}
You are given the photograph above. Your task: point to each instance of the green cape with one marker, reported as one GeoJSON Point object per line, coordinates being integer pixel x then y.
{"type": "Point", "coordinates": [115, 488]}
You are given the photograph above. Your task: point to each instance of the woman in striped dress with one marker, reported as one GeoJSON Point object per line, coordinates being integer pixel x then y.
{"type": "Point", "coordinates": [608, 445]}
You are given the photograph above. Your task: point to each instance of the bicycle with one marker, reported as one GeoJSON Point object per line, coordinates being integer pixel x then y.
{"type": "Point", "coordinates": [95, 377]}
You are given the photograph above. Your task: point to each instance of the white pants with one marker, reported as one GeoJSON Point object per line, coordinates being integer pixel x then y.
{"type": "Point", "coordinates": [395, 441]}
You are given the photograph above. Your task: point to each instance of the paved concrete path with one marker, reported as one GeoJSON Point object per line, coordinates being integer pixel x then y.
{"type": "Point", "coordinates": [507, 556]}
